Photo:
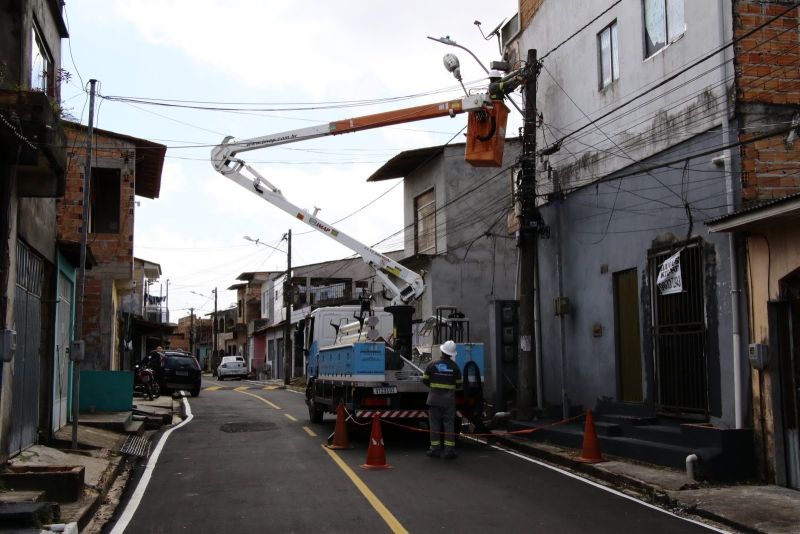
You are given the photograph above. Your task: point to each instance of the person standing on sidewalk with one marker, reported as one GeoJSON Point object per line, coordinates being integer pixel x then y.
{"type": "Point", "coordinates": [443, 377]}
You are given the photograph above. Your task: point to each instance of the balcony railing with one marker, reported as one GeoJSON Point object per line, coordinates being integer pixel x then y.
{"type": "Point", "coordinates": [156, 314]}
{"type": "Point", "coordinates": [42, 157]}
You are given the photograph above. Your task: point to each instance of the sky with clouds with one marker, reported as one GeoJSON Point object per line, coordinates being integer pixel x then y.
{"type": "Point", "coordinates": [284, 65]}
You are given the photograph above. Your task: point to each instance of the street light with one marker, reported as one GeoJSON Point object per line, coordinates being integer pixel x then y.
{"type": "Point", "coordinates": [213, 322]}
{"type": "Point", "coordinates": [287, 297]}
{"type": "Point", "coordinates": [259, 242]}
{"type": "Point", "coordinates": [452, 65]}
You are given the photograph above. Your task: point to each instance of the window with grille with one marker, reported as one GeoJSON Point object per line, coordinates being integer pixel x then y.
{"type": "Point", "coordinates": [425, 223]}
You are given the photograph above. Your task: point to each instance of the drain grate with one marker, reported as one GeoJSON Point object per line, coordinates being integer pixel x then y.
{"type": "Point", "coordinates": [247, 427]}
{"type": "Point", "coordinates": [136, 446]}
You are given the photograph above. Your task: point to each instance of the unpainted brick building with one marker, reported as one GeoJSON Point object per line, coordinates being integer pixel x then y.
{"type": "Point", "coordinates": [123, 167]}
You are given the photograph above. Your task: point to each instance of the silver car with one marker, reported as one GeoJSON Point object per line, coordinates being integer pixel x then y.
{"type": "Point", "coordinates": [232, 367]}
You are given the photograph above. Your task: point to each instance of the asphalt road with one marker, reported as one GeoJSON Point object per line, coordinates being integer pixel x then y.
{"type": "Point", "coordinates": [249, 461]}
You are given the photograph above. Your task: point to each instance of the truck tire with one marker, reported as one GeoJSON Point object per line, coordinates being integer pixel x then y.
{"type": "Point", "coordinates": [315, 412]}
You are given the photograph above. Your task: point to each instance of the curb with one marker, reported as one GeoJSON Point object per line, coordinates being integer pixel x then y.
{"type": "Point", "coordinates": [116, 464]}
{"type": "Point", "coordinates": [648, 492]}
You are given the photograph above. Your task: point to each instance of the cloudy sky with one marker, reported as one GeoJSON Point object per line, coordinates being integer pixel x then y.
{"type": "Point", "coordinates": [282, 65]}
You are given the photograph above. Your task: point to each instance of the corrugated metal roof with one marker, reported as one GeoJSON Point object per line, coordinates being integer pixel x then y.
{"type": "Point", "coordinates": [405, 162]}
{"type": "Point", "coordinates": [765, 214]}
{"type": "Point", "coordinates": [755, 208]}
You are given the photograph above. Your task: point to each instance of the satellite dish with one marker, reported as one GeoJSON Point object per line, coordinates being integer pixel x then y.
{"type": "Point", "coordinates": [495, 30]}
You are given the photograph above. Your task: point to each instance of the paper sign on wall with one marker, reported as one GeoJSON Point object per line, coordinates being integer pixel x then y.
{"type": "Point", "coordinates": [669, 279]}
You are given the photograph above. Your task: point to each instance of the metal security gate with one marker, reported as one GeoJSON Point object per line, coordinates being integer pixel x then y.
{"type": "Point", "coordinates": [61, 368]}
{"type": "Point", "coordinates": [679, 332]}
{"type": "Point", "coordinates": [25, 381]}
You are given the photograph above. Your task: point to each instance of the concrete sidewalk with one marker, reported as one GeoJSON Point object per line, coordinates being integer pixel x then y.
{"type": "Point", "coordinates": [744, 508]}
{"type": "Point", "coordinates": [98, 453]}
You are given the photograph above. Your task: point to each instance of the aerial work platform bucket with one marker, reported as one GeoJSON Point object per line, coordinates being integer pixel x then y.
{"type": "Point", "coordinates": [486, 136]}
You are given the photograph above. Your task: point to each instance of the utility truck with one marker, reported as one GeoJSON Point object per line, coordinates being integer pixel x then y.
{"type": "Point", "coordinates": [356, 355]}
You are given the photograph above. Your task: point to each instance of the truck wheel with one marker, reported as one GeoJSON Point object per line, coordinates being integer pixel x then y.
{"type": "Point", "coordinates": [315, 412]}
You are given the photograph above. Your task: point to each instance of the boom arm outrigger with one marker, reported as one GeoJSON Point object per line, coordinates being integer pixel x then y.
{"type": "Point", "coordinates": [406, 285]}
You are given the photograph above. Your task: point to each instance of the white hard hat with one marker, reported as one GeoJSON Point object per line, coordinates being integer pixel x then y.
{"type": "Point", "coordinates": [448, 347]}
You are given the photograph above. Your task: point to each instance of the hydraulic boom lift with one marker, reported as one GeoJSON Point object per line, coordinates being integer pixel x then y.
{"type": "Point", "coordinates": [369, 375]}
{"type": "Point", "coordinates": [486, 135]}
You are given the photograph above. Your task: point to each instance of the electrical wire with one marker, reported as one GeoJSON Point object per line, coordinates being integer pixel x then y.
{"type": "Point", "coordinates": [673, 76]}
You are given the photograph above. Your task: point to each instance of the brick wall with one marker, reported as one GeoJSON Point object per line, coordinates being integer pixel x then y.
{"type": "Point", "coordinates": [767, 66]}
{"type": "Point", "coordinates": [110, 152]}
{"type": "Point", "coordinates": [113, 252]}
{"type": "Point", "coordinates": [527, 9]}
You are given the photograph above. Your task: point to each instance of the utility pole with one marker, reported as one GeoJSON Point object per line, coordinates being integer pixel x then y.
{"type": "Point", "coordinates": [287, 298]}
{"type": "Point", "coordinates": [77, 348]}
{"type": "Point", "coordinates": [191, 331]}
{"type": "Point", "coordinates": [527, 242]}
{"type": "Point", "coordinates": [212, 359]}
{"type": "Point", "coordinates": [166, 301]}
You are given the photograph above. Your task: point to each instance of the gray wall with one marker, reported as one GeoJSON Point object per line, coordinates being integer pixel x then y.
{"type": "Point", "coordinates": [469, 270]}
{"type": "Point", "coordinates": [643, 209]}
{"type": "Point", "coordinates": [568, 87]}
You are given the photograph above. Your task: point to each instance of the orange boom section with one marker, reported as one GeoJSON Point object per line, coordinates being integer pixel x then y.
{"type": "Point", "coordinates": [400, 116]}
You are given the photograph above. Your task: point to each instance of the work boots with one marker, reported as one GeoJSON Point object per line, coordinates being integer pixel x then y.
{"type": "Point", "coordinates": [433, 453]}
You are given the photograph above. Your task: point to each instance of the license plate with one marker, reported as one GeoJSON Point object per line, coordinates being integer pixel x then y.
{"type": "Point", "coordinates": [391, 390]}
{"type": "Point", "coordinates": [182, 373]}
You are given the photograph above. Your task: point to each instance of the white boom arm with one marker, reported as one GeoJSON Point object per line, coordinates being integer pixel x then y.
{"type": "Point", "coordinates": [405, 284]}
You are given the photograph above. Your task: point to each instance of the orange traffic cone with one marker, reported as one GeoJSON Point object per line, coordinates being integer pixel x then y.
{"type": "Point", "coordinates": [340, 439]}
{"type": "Point", "coordinates": [591, 447]}
{"type": "Point", "coordinates": [376, 455]}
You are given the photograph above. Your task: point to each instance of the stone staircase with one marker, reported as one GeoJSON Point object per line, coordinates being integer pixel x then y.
{"type": "Point", "coordinates": [628, 431]}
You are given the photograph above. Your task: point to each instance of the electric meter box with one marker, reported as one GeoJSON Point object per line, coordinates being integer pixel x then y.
{"type": "Point", "coordinates": [758, 354]}
{"type": "Point", "coordinates": [76, 350]}
{"type": "Point", "coordinates": [8, 344]}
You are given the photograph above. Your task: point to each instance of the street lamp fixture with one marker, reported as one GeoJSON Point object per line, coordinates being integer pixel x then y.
{"type": "Point", "coordinates": [259, 242]}
{"type": "Point", "coordinates": [452, 65]}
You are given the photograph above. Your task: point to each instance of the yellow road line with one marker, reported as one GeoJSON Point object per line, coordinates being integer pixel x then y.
{"type": "Point", "coordinates": [386, 515]}
{"type": "Point", "coordinates": [310, 432]}
{"type": "Point", "coordinates": [262, 399]}
{"type": "Point", "coordinates": [290, 418]}
{"type": "Point", "coordinates": [212, 388]}
{"type": "Point", "coordinates": [271, 388]}
{"type": "Point", "coordinates": [241, 388]}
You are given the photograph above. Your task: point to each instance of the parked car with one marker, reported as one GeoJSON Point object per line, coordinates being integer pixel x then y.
{"type": "Point", "coordinates": [232, 367]}
{"type": "Point", "coordinates": [180, 371]}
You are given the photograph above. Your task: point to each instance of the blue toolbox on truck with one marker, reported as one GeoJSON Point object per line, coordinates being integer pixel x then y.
{"type": "Point", "coordinates": [359, 361]}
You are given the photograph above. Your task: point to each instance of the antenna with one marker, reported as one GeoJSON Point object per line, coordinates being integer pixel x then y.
{"type": "Point", "coordinates": [495, 31]}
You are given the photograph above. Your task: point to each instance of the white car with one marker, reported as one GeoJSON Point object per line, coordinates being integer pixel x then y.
{"type": "Point", "coordinates": [231, 367]}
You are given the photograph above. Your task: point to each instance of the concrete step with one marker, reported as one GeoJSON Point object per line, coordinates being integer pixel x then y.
{"type": "Point", "coordinates": [114, 421]}
{"type": "Point", "coordinates": [8, 497]}
{"type": "Point", "coordinates": [60, 483]}
{"type": "Point", "coordinates": [135, 427]}
{"type": "Point", "coordinates": [627, 420]}
{"type": "Point", "coordinates": [669, 434]}
{"type": "Point", "coordinates": [28, 514]}
{"type": "Point", "coordinates": [654, 452]}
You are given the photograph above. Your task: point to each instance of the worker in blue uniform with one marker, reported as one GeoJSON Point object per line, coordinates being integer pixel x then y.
{"type": "Point", "coordinates": [443, 377]}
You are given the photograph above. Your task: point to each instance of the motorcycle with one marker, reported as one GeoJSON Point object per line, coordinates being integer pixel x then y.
{"type": "Point", "coordinates": [144, 381]}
